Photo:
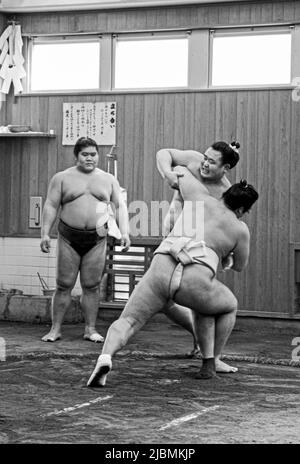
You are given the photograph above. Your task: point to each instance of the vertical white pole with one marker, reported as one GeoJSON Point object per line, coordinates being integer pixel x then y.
{"type": "Point", "coordinates": [116, 168]}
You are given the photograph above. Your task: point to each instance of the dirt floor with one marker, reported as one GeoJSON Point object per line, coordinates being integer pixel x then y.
{"type": "Point", "coordinates": [152, 396]}
{"type": "Point", "coordinates": [147, 400]}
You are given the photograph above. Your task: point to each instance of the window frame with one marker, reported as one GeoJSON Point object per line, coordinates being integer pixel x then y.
{"type": "Point", "coordinates": [200, 57]}
{"type": "Point", "coordinates": [246, 31]}
{"type": "Point", "coordinates": [133, 37]}
{"type": "Point", "coordinates": [37, 40]}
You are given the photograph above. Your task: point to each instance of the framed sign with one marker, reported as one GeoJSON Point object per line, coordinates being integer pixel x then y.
{"type": "Point", "coordinates": [94, 120]}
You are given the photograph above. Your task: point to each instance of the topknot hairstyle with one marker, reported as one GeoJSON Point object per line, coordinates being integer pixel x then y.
{"type": "Point", "coordinates": [240, 195]}
{"type": "Point", "coordinates": [229, 152]}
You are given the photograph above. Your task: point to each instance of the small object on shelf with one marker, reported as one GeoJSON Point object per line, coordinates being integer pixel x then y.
{"type": "Point", "coordinates": [26, 134]}
{"type": "Point", "coordinates": [15, 291]}
{"type": "Point", "coordinates": [18, 128]}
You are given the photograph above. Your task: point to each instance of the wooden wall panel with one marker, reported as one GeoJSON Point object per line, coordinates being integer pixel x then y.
{"type": "Point", "coordinates": [295, 173]}
{"type": "Point", "coordinates": [28, 147]}
{"type": "Point", "coordinates": [150, 127]}
{"type": "Point", "coordinates": [2, 97]}
{"type": "Point", "coordinates": [265, 122]}
{"type": "Point", "coordinates": [5, 164]}
{"type": "Point", "coordinates": [266, 163]}
{"type": "Point", "coordinates": [161, 17]}
{"type": "Point", "coordinates": [3, 205]}
{"type": "Point", "coordinates": [131, 165]}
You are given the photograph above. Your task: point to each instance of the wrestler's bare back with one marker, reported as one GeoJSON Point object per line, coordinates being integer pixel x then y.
{"type": "Point", "coordinates": [218, 227]}
{"type": "Point", "coordinates": [80, 195]}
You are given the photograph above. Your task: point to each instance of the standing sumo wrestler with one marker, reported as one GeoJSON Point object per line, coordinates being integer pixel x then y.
{"type": "Point", "coordinates": [81, 193]}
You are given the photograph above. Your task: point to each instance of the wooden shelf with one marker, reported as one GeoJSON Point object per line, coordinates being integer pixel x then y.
{"type": "Point", "coordinates": [27, 134]}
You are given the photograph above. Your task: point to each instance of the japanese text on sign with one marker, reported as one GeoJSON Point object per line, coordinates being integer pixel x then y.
{"type": "Point", "coordinates": [94, 120]}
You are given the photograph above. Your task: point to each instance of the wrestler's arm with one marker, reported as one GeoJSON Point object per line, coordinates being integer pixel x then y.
{"type": "Point", "coordinates": [121, 214]}
{"type": "Point", "coordinates": [50, 210]}
{"type": "Point", "coordinates": [166, 158]}
{"type": "Point", "coordinates": [189, 186]}
{"type": "Point", "coordinates": [185, 177]}
{"type": "Point", "coordinates": [242, 249]}
{"type": "Point", "coordinates": [173, 213]}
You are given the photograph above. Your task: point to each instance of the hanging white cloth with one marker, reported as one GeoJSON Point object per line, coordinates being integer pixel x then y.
{"type": "Point", "coordinates": [11, 59]}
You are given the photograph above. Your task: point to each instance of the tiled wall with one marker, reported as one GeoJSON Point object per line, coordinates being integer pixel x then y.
{"type": "Point", "coordinates": [21, 259]}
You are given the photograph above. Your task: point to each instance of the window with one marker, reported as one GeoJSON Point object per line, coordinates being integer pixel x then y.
{"type": "Point", "coordinates": [65, 64]}
{"type": "Point", "coordinates": [251, 58]}
{"type": "Point", "coordinates": [196, 59]}
{"type": "Point", "coordinates": [151, 62]}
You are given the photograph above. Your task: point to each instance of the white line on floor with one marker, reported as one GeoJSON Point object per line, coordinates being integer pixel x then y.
{"type": "Point", "coordinates": [50, 382]}
{"type": "Point", "coordinates": [77, 406]}
{"type": "Point", "coordinates": [188, 417]}
{"type": "Point", "coordinates": [12, 369]}
{"type": "Point", "coordinates": [270, 385]}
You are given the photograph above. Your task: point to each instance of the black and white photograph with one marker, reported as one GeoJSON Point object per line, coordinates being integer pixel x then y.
{"type": "Point", "coordinates": [149, 225]}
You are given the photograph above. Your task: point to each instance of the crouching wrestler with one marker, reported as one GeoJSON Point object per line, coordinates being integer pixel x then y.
{"type": "Point", "coordinates": [184, 269]}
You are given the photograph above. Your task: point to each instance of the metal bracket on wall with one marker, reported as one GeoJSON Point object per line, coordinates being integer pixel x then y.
{"type": "Point", "coordinates": [35, 212]}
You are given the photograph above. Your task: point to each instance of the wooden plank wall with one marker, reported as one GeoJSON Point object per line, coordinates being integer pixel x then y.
{"type": "Point", "coordinates": [266, 122]}
{"type": "Point", "coordinates": [2, 123]}
{"type": "Point", "coordinates": [210, 15]}
{"type": "Point", "coordinates": [2, 98]}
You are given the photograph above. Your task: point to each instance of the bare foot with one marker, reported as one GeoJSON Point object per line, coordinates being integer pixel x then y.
{"type": "Point", "coordinates": [52, 336]}
{"type": "Point", "coordinates": [195, 353]}
{"type": "Point", "coordinates": [207, 370]}
{"type": "Point", "coordinates": [224, 368]}
{"type": "Point", "coordinates": [93, 336]}
{"type": "Point", "coordinates": [103, 367]}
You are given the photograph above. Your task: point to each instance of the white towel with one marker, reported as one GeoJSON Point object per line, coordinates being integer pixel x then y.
{"type": "Point", "coordinates": [106, 215]}
{"type": "Point", "coordinates": [11, 59]}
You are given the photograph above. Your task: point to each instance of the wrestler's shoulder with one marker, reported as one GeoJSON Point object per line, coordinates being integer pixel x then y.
{"type": "Point", "coordinates": [244, 229]}
{"type": "Point", "coordinates": [58, 176]}
{"type": "Point", "coordinates": [194, 155]}
{"type": "Point", "coordinates": [67, 171]}
{"type": "Point", "coordinates": [61, 175]}
{"type": "Point", "coordinates": [194, 168]}
{"type": "Point", "coordinates": [180, 152]}
{"type": "Point", "coordinates": [104, 175]}
{"type": "Point", "coordinates": [226, 182]}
